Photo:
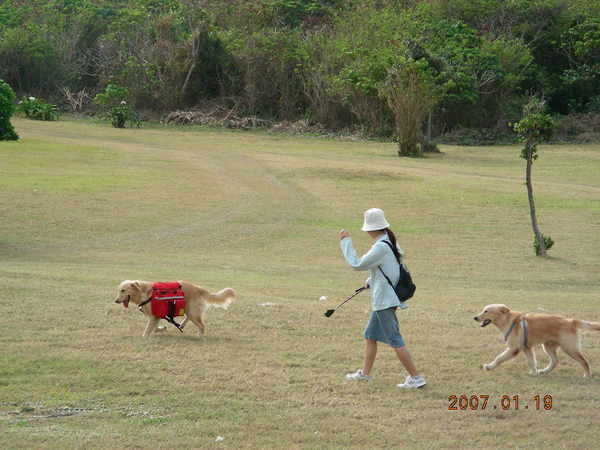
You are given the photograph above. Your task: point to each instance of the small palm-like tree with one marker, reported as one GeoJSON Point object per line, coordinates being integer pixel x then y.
{"type": "Point", "coordinates": [535, 127]}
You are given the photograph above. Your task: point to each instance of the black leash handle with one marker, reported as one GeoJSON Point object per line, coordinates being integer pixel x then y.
{"type": "Point", "coordinates": [356, 292]}
{"type": "Point", "coordinates": [329, 312]}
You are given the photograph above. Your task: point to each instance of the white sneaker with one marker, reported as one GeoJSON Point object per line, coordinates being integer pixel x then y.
{"type": "Point", "coordinates": [413, 382]}
{"type": "Point", "coordinates": [358, 376]}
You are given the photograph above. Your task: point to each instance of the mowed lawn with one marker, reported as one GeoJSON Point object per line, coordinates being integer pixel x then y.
{"type": "Point", "coordinates": [85, 206]}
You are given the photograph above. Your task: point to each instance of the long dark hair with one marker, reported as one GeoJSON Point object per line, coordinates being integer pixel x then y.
{"type": "Point", "coordinates": [392, 237]}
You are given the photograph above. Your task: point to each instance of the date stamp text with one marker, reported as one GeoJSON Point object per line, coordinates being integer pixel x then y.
{"type": "Point", "coordinates": [480, 402]}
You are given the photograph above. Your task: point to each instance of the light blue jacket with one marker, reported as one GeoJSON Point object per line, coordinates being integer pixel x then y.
{"type": "Point", "coordinates": [380, 254]}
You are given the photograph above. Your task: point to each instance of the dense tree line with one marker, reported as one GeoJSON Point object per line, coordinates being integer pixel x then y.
{"type": "Point", "coordinates": [340, 63]}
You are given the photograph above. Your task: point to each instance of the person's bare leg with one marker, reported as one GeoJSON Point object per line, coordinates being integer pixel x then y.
{"type": "Point", "coordinates": [406, 360]}
{"type": "Point", "coordinates": [370, 353]}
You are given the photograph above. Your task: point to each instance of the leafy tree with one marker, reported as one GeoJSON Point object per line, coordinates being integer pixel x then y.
{"type": "Point", "coordinates": [534, 128]}
{"type": "Point", "coordinates": [155, 54]}
{"type": "Point", "coordinates": [29, 61]}
{"type": "Point", "coordinates": [581, 45]}
{"type": "Point", "coordinates": [7, 109]}
{"type": "Point", "coordinates": [410, 94]}
{"type": "Point", "coordinates": [270, 64]}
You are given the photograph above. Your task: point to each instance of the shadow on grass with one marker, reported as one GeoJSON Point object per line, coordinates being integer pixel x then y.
{"type": "Point", "coordinates": [171, 339]}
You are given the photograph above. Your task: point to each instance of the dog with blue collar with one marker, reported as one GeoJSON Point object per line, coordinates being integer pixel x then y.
{"type": "Point", "coordinates": [522, 332]}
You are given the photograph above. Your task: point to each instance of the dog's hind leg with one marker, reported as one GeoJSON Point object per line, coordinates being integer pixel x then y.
{"type": "Point", "coordinates": [550, 349]}
{"type": "Point", "coordinates": [151, 326]}
{"type": "Point", "coordinates": [504, 356]}
{"type": "Point", "coordinates": [530, 354]}
{"type": "Point", "coordinates": [572, 349]}
{"type": "Point", "coordinates": [199, 323]}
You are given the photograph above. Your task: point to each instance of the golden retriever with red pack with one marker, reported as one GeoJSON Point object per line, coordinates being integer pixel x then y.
{"type": "Point", "coordinates": [197, 301]}
{"type": "Point", "coordinates": [522, 332]}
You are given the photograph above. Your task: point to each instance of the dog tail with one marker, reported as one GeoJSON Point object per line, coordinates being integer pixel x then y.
{"type": "Point", "coordinates": [588, 325]}
{"type": "Point", "coordinates": [222, 299]}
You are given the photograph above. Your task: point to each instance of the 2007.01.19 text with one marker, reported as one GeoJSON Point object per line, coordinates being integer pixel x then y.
{"type": "Point", "coordinates": [506, 402]}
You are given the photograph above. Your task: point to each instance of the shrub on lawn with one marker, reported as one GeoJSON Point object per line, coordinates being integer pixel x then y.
{"type": "Point", "coordinates": [114, 102]}
{"type": "Point", "coordinates": [37, 109]}
{"type": "Point", "coordinates": [7, 109]}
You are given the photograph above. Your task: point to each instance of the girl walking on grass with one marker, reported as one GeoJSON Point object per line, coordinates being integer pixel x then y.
{"type": "Point", "coordinates": [383, 323]}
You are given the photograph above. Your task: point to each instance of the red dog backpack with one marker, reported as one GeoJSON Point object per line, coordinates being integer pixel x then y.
{"type": "Point", "coordinates": [167, 300]}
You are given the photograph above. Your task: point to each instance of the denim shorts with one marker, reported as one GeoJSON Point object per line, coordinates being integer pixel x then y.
{"type": "Point", "coordinates": [383, 327]}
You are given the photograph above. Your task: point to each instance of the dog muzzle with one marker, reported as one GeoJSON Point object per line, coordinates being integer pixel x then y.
{"type": "Point", "coordinates": [124, 302]}
{"type": "Point", "coordinates": [485, 323]}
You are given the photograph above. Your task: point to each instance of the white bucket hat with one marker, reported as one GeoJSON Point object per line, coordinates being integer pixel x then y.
{"type": "Point", "coordinates": [374, 220]}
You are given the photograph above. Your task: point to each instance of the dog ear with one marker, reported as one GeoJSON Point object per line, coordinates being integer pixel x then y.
{"type": "Point", "coordinates": [504, 309]}
{"type": "Point", "coordinates": [136, 285]}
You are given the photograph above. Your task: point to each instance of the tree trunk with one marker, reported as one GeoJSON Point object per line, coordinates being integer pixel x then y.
{"type": "Point", "coordinates": [534, 224]}
{"type": "Point", "coordinates": [193, 58]}
{"type": "Point", "coordinates": [429, 120]}
{"type": "Point", "coordinates": [409, 148]}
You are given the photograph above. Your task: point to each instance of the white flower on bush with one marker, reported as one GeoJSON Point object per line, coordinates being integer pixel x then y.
{"type": "Point", "coordinates": [123, 102]}
{"type": "Point", "coordinates": [32, 98]}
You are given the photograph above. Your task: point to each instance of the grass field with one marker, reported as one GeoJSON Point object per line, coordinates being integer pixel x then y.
{"type": "Point", "coordinates": [85, 206]}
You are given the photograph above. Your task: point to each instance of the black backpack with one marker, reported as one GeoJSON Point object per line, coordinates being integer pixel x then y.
{"type": "Point", "coordinates": [405, 288]}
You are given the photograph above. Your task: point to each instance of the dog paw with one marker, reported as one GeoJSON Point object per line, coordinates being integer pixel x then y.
{"type": "Point", "coordinates": [534, 373]}
{"type": "Point", "coordinates": [487, 367]}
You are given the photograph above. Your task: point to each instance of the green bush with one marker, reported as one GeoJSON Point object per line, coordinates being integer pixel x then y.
{"type": "Point", "coordinates": [548, 243]}
{"type": "Point", "coordinates": [7, 109]}
{"type": "Point", "coordinates": [112, 96]}
{"type": "Point", "coordinates": [120, 115]}
{"type": "Point", "coordinates": [430, 147]}
{"type": "Point", "coordinates": [116, 107]}
{"type": "Point", "coordinates": [36, 109]}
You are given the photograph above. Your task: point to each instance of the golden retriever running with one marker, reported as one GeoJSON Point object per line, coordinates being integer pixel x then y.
{"type": "Point", "coordinates": [197, 301]}
{"type": "Point", "coordinates": [524, 331]}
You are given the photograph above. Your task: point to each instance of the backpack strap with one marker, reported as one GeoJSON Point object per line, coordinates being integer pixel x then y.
{"type": "Point", "coordinates": [386, 277]}
{"type": "Point", "coordinates": [172, 321]}
{"type": "Point", "coordinates": [394, 250]}
{"type": "Point", "coordinates": [396, 256]}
